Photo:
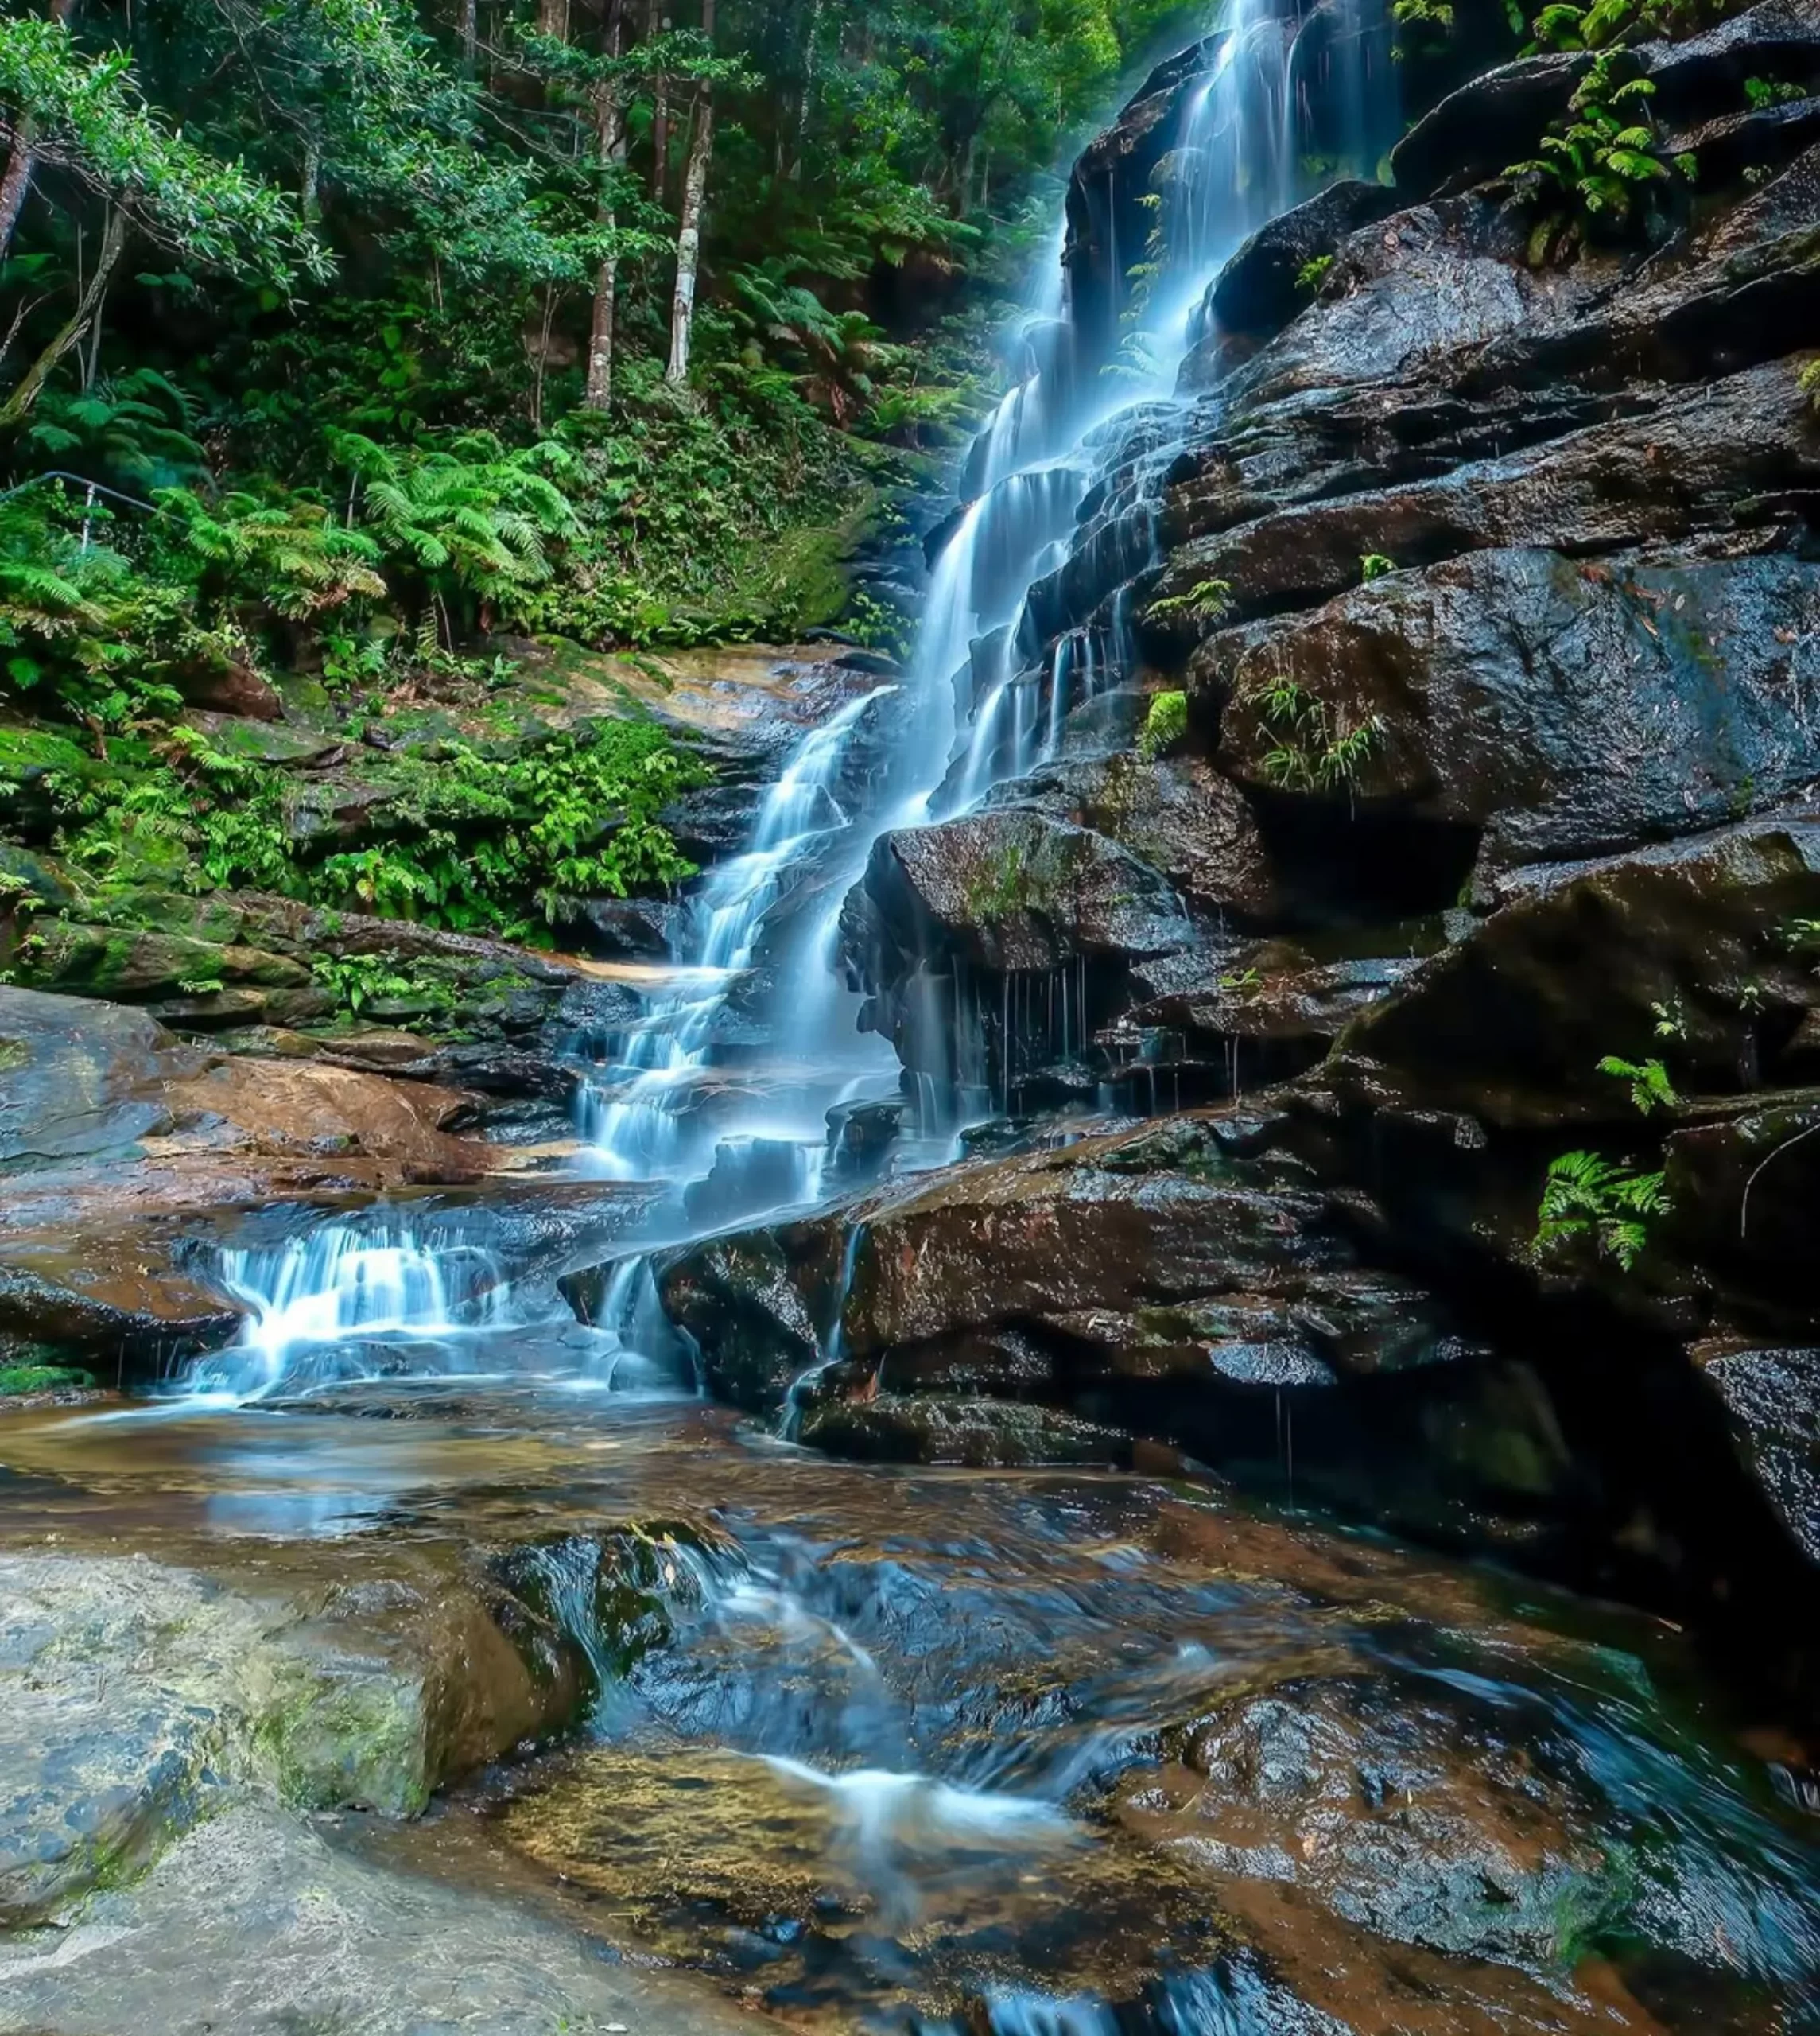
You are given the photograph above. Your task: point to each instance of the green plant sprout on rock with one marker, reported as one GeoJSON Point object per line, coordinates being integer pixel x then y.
{"type": "Point", "coordinates": [1587, 1200]}
{"type": "Point", "coordinates": [1165, 725]}
{"type": "Point", "coordinates": [1375, 565]}
{"type": "Point", "coordinates": [1206, 601]}
{"type": "Point", "coordinates": [1651, 1087]}
{"type": "Point", "coordinates": [1311, 754]}
{"type": "Point", "coordinates": [1312, 274]}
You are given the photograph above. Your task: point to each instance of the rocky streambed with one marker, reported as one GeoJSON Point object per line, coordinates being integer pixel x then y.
{"type": "Point", "coordinates": [847, 1745]}
{"type": "Point", "coordinates": [1266, 1476]}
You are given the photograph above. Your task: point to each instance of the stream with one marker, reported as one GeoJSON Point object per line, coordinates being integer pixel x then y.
{"type": "Point", "coordinates": [1041, 1753]}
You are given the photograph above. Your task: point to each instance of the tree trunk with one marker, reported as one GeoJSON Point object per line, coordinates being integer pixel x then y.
{"type": "Point", "coordinates": [19, 404]}
{"type": "Point", "coordinates": [611, 105]}
{"type": "Point", "coordinates": [24, 159]}
{"type": "Point", "coordinates": [660, 24]}
{"type": "Point", "coordinates": [802, 111]}
{"type": "Point", "coordinates": [688, 238]}
{"type": "Point", "coordinates": [470, 36]}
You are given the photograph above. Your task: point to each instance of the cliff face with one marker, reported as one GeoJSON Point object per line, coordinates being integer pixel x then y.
{"type": "Point", "coordinates": [1484, 563]}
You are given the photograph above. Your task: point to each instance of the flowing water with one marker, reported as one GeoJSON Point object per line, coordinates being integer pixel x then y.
{"type": "Point", "coordinates": [1041, 1754]}
{"type": "Point", "coordinates": [1026, 1752]}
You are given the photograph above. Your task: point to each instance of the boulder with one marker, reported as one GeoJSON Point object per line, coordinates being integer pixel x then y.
{"type": "Point", "coordinates": [1496, 119]}
{"type": "Point", "coordinates": [1579, 961]}
{"type": "Point", "coordinates": [1566, 708]}
{"type": "Point", "coordinates": [1175, 814]}
{"type": "Point", "coordinates": [1260, 289]}
{"type": "Point", "coordinates": [1149, 1254]}
{"type": "Point", "coordinates": [1405, 296]}
{"type": "Point", "coordinates": [1018, 891]}
{"type": "Point", "coordinates": [979, 1434]}
{"type": "Point", "coordinates": [81, 1079]}
{"type": "Point", "coordinates": [1771, 1401]}
{"type": "Point", "coordinates": [100, 1298]}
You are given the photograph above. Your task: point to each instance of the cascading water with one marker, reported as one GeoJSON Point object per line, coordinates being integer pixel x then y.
{"type": "Point", "coordinates": [635, 1113]}
{"type": "Point", "coordinates": [319, 1292]}
{"type": "Point", "coordinates": [981, 704]}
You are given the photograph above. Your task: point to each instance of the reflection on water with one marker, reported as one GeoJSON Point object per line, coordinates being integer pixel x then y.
{"type": "Point", "coordinates": [1035, 1752]}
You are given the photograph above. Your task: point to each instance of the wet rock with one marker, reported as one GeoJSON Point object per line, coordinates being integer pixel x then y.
{"type": "Point", "coordinates": [1693, 466]}
{"type": "Point", "coordinates": [978, 1433]}
{"type": "Point", "coordinates": [1147, 1254]}
{"type": "Point", "coordinates": [257, 1922]}
{"type": "Point", "coordinates": [103, 1298]}
{"type": "Point", "coordinates": [860, 1136]}
{"type": "Point", "coordinates": [370, 1692]}
{"type": "Point", "coordinates": [1400, 296]}
{"type": "Point", "coordinates": [1401, 1806]}
{"type": "Point", "coordinates": [1772, 1406]}
{"type": "Point", "coordinates": [1176, 814]}
{"type": "Point", "coordinates": [636, 926]}
{"type": "Point", "coordinates": [1737, 289]}
{"type": "Point", "coordinates": [1496, 120]}
{"type": "Point", "coordinates": [1706, 75]}
{"type": "Point", "coordinates": [1510, 1025]}
{"type": "Point", "coordinates": [103, 961]}
{"type": "Point", "coordinates": [1307, 989]}
{"type": "Point", "coordinates": [741, 1301]}
{"type": "Point", "coordinates": [1568, 709]}
{"type": "Point", "coordinates": [1260, 289]}
{"type": "Point", "coordinates": [1018, 891]}
{"type": "Point", "coordinates": [80, 1079]}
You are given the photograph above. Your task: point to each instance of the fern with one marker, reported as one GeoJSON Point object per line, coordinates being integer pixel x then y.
{"type": "Point", "coordinates": [1206, 601]}
{"type": "Point", "coordinates": [1165, 725]}
{"type": "Point", "coordinates": [1652, 1089]}
{"type": "Point", "coordinates": [1588, 1200]}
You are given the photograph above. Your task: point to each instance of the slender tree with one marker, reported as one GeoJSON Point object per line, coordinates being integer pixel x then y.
{"type": "Point", "coordinates": [23, 161]}
{"type": "Point", "coordinates": [609, 108]}
{"type": "Point", "coordinates": [688, 236]}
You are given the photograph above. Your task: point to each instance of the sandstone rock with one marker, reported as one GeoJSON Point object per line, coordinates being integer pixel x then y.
{"type": "Point", "coordinates": [1176, 814]}
{"type": "Point", "coordinates": [1510, 1025]}
{"type": "Point", "coordinates": [259, 1922]}
{"type": "Point", "coordinates": [1568, 709]}
{"type": "Point", "coordinates": [1260, 290]}
{"type": "Point", "coordinates": [1018, 891]}
{"type": "Point", "coordinates": [80, 1079]}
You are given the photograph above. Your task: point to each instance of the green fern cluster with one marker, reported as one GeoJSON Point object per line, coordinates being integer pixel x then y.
{"type": "Point", "coordinates": [1165, 725]}
{"type": "Point", "coordinates": [1588, 1201]}
{"type": "Point", "coordinates": [1311, 753]}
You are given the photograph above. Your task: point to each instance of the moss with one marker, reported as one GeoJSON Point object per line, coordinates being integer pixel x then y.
{"type": "Point", "coordinates": [352, 1742]}
{"type": "Point", "coordinates": [17, 1380]}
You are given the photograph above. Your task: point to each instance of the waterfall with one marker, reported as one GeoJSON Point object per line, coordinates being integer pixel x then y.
{"type": "Point", "coordinates": [983, 702]}
{"type": "Point", "coordinates": [634, 1113]}
{"type": "Point", "coordinates": [309, 1296]}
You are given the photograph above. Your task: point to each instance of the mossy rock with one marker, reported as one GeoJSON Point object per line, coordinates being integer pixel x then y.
{"type": "Point", "coordinates": [42, 879]}
{"type": "Point", "coordinates": [130, 964]}
{"type": "Point", "coordinates": [19, 1381]}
